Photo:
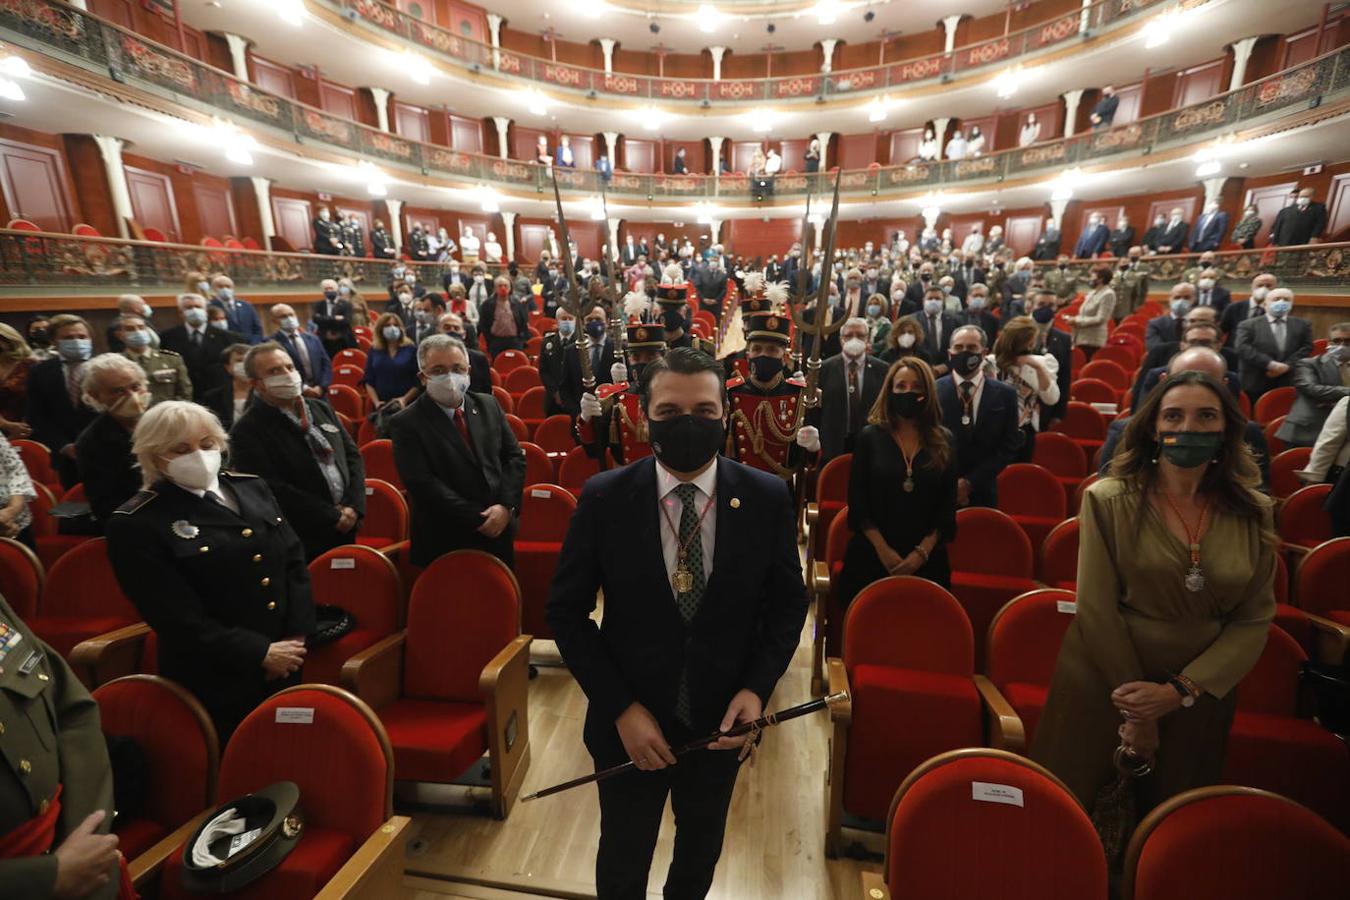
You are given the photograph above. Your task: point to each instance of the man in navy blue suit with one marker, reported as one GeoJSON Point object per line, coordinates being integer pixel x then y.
{"type": "Point", "coordinates": [704, 606]}
{"type": "Point", "coordinates": [1209, 228]}
{"type": "Point", "coordinates": [981, 413]}
{"type": "Point", "coordinates": [305, 350]}
{"type": "Point", "coordinates": [1093, 239]}
{"type": "Point", "coordinates": [240, 315]}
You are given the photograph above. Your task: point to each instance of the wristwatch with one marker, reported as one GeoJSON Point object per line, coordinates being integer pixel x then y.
{"type": "Point", "coordinates": [1185, 687]}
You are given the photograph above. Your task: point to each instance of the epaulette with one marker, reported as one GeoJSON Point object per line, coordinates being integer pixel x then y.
{"type": "Point", "coordinates": [605, 391]}
{"type": "Point", "coordinates": [233, 474]}
{"type": "Point", "coordinates": [172, 353]}
{"type": "Point", "coordinates": [796, 382]}
{"type": "Point", "coordinates": [138, 500]}
{"type": "Point", "coordinates": [735, 381]}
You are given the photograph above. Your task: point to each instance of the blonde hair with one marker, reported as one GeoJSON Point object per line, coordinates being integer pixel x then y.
{"type": "Point", "coordinates": [21, 349]}
{"type": "Point", "coordinates": [377, 333]}
{"type": "Point", "coordinates": [164, 426]}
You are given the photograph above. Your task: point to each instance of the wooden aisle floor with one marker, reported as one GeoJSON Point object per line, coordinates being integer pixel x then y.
{"type": "Point", "coordinates": [774, 848]}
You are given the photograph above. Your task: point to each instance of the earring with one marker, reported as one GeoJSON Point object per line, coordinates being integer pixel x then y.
{"type": "Point", "coordinates": [1157, 448]}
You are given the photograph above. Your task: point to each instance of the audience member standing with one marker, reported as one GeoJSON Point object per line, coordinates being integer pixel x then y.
{"type": "Point", "coordinates": [304, 349]}
{"type": "Point", "coordinates": [1301, 223]}
{"type": "Point", "coordinates": [56, 409]}
{"type": "Point", "coordinates": [1269, 346]}
{"type": "Point", "coordinates": [1032, 375]}
{"type": "Point", "coordinates": [1322, 382]}
{"type": "Point", "coordinates": [982, 415]}
{"type": "Point", "coordinates": [1104, 113]}
{"type": "Point", "coordinates": [506, 322]}
{"type": "Point", "coordinates": [391, 366]}
{"type": "Point", "coordinates": [1031, 131]}
{"type": "Point", "coordinates": [198, 344]}
{"type": "Point", "coordinates": [331, 318]}
{"type": "Point", "coordinates": [1209, 228]}
{"type": "Point", "coordinates": [1089, 323]}
{"type": "Point", "coordinates": [240, 314]}
{"type": "Point", "coordinates": [16, 492]}
{"type": "Point", "coordinates": [1245, 231]}
{"type": "Point", "coordinates": [16, 362]}
{"type": "Point", "coordinates": [1093, 239]}
{"type": "Point", "coordinates": [850, 382]}
{"type": "Point", "coordinates": [1174, 233]}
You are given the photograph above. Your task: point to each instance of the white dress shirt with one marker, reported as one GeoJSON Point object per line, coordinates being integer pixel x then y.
{"type": "Point", "coordinates": [674, 509]}
{"type": "Point", "coordinates": [975, 395]}
{"type": "Point", "coordinates": [226, 498]}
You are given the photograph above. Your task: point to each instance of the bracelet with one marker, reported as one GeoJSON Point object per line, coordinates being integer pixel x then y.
{"type": "Point", "coordinates": [918, 548]}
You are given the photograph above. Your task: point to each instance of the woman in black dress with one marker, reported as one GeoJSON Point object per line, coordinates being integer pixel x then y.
{"type": "Point", "coordinates": [902, 487]}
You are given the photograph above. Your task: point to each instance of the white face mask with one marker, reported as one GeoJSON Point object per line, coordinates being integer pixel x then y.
{"type": "Point", "coordinates": [237, 370]}
{"type": "Point", "coordinates": [1206, 283]}
{"type": "Point", "coordinates": [905, 340]}
{"type": "Point", "coordinates": [289, 324]}
{"type": "Point", "coordinates": [448, 389]}
{"type": "Point", "coordinates": [285, 386]}
{"type": "Point", "coordinates": [195, 471]}
{"type": "Point", "coordinates": [1259, 293]}
{"type": "Point", "coordinates": [854, 348]}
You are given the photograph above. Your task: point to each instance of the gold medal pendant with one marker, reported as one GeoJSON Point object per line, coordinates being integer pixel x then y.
{"type": "Point", "coordinates": [1195, 580]}
{"type": "Point", "coordinates": [682, 580]}
{"type": "Point", "coordinates": [908, 485]}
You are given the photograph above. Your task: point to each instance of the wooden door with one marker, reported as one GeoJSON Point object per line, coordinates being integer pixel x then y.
{"type": "Point", "coordinates": [118, 11]}
{"type": "Point", "coordinates": [1298, 48]}
{"type": "Point", "coordinates": [1131, 99]}
{"type": "Point", "coordinates": [418, 9]}
{"type": "Point", "coordinates": [412, 122]}
{"type": "Point", "coordinates": [34, 183]}
{"type": "Point", "coordinates": [1338, 208]}
{"type": "Point", "coordinates": [1268, 200]}
{"type": "Point", "coordinates": [429, 222]}
{"type": "Point", "coordinates": [904, 145]}
{"type": "Point", "coordinates": [152, 201]}
{"type": "Point", "coordinates": [533, 242]}
{"type": "Point", "coordinates": [583, 150]}
{"type": "Point", "coordinates": [272, 77]}
{"type": "Point", "coordinates": [742, 154]}
{"type": "Point", "coordinates": [1199, 83]}
{"type": "Point", "coordinates": [215, 210]}
{"type": "Point", "coordinates": [294, 221]}
{"type": "Point", "coordinates": [856, 151]}
{"type": "Point", "coordinates": [466, 134]}
{"type": "Point", "coordinates": [465, 21]}
{"type": "Point", "coordinates": [639, 156]}
{"type": "Point", "coordinates": [1022, 232]}
{"type": "Point", "coordinates": [338, 100]}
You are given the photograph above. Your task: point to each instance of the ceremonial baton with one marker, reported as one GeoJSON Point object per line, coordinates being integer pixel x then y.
{"type": "Point", "coordinates": [752, 728]}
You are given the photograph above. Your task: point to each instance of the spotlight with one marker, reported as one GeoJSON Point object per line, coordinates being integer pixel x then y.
{"type": "Point", "coordinates": [771, 28]}
{"type": "Point", "coordinates": [869, 16]}
{"type": "Point", "coordinates": [654, 28]}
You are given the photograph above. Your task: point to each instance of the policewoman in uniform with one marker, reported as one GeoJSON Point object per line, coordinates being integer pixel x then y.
{"type": "Point", "coordinates": [56, 791]}
{"type": "Point", "coordinates": [212, 565]}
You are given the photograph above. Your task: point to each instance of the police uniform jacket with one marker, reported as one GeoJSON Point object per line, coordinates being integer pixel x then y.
{"type": "Point", "coordinates": [552, 351]}
{"type": "Point", "coordinates": [108, 470]}
{"type": "Point", "coordinates": [166, 375]}
{"type": "Point", "coordinates": [49, 736]}
{"type": "Point", "coordinates": [218, 587]}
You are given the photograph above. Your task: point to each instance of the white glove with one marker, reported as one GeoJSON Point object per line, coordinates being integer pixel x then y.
{"type": "Point", "coordinates": [590, 406]}
{"type": "Point", "coordinates": [808, 438]}
{"type": "Point", "coordinates": [618, 373]}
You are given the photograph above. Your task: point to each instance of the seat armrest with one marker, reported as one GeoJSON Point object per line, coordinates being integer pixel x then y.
{"type": "Point", "coordinates": [1006, 731]}
{"type": "Point", "coordinates": [1331, 640]}
{"type": "Point", "coordinates": [145, 867]}
{"type": "Point", "coordinates": [394, 550]}
{"type": "Point", "coordinates": [375, 870]}
{"type": "Point", "coordinates": [874, 887]}
{"type": "Point", "coordinates": [110, 655]}
{"type": "Point", "coordinates": [376, 673]}
{"type": "Point", "coordinates": [820, 578]}
{"type": "Point", "coordinates": [838, 684]}
{"type": "Point", "coordinates": [812, 514]}
{"type": "Point", "coordinates": [505, 684]}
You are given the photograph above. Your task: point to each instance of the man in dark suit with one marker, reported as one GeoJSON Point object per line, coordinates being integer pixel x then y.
{"type": "Point", "coordinates": [711, 283]}
{"type": "Point", "coordinates": [1104, 113]}
{"type": "Point", "coordinates": [1235, 313]}
{"type": "Point", "coordinates": [1210, 294]}
{"type": "Point", "coordinates": [1047, 245]}
{"type": "Point", "coordinates": [981, 413]}
{"type": "Point", "coordinates": [1167, 328]}
{"type": "Point", "coordinates": [1174, 233]}
{"type": "Point", "coordinates": [331, 318]}
{"type": "Point", "coordinates": [310, 359]}
{"type": "Point", "coordinates": [873, 283]}
{"type": "Point", "coordinates": [1200, 330]}
{"type": "Point", "coordinates": [1269, 346]}
{"type": "Point", "coordinates": [596, 326]}
{"type": "Point", "coordinates": [199, 344]}
{"type": "Point", "coordinates": [1058, 344]}
{"type": "Point", "coordinates": [1093, 239]}
{"type": "Point", "coordinates": [1300, 223]}
{"type": "Point", "coordinates": [327, 234]}
{"type": "Point", "coordinates": [240, 314]}
{"type": "Point", "coordinates": [459, 460]}
{"type": "Point", "coordinates": [1122, 237]}
{"type": "Point", "coordinates": [382, 242]}
{"type": "Point", "coordinates": [977, 311]}
{"type": "Point", "coordinates": [703, 611]}
{"type": "Point", "coordinates": [918, 288]}
{"type": "Point", "coordinates": [849, 384]}
{"type": "Point", "coordinates": [300, 448]}
{"type": "Point", "coordinates": [1210, 228]}
{"type": "Point", "coordinates": [967, 274]}
{"type": "Point", "coordinates": [56, 409]}
{"type": "Point", "coordinates": [1321, 382]}
{"type": "Point", "coordinates": [937, 326]}
{"type": "Point", "coordinates": [509, 330]}
{"type": "Point", "coordinates": [480, 367]}
{"type": "Point", "coordinates": [455, 276]}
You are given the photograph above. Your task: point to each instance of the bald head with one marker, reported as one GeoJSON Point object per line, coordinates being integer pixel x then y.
{"type": "Point", "coordinates": [1199, 359]}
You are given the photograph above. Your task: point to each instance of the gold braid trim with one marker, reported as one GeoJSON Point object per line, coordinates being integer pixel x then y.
{"type": "Point", "coordinates": [756, 441]}
{"type": "Point", "coordinates": [639, 429]}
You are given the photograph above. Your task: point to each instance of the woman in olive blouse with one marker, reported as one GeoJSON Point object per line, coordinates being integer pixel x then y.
{"type": "Point", "coordinates": [1176, 568]}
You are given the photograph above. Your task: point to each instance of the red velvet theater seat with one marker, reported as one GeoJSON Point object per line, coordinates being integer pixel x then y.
{"type": "Point", "coordinates": [81, 599]}
{"type": "Point", "coordinates": [992, 562]}
{"type": "Point", "coordinates": [365, 583]}
{"type": "Point", "coordinates": [538, 467]}
{"type": "Point", "coordinates": [453, 684]}
{"type": "Point", "coordinates": [1322, 590]}
{"type": "Point", "coordinates": [1032, 496]}
{"type": "Point", "coordinates": [979, 824]}
{"type": "Point", "coordinates": [1084, 425]}
{"type": "Point", "coordinates": [829, 628]}
{"type": "Point", "coordinates": [545, 510]}
{"type": "Point", "coordinates": [386, 520]}
{"type": "Point", "coordinates": [1024, 641]}
{"type": "Point", "coordinates": [908, 666]}
{"type": "Point", "coordinates": [1272, 747]}
{"type": "Point", "coordinates": [21, 578]}
{"type": "Point", "coordinates": [181, 753]}
{"type": "Point", "coordinates": [1059, 556]}
{"type": "Point", "coordinates": [831, 496]}
{"type": "Point", "coordinates": [378, 457]}
{"type": "Point", "coordinates": [51, 544]}
{"type": "Point", "coordinates": [1234, 843]}
{"type": "Point", "coordinates": [1302, 522]}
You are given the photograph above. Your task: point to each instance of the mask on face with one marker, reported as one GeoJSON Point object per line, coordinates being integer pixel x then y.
{"type": "Point", "coordinates": [503, 290]}
{"type": "Point", "coordinates": [344, 290]}
{"type": "Point", "coordinates": [1259, 293]}
{"type": "Point", "coordinates": [685, 443]}
{"type": "Point", "coordinates": [227, 293]}
{"type": "Point", "coordinates": [1304, 202]}
{"type": "Point", "coordinates": [906, 405]}
{"type": "Point", "coordinates": [405, 299]}
{"type": "Point", "coordinates": [1338, 352]}
{"type": "Point", "coordinates": [219, 324]}
{"type": "Point", "coordinates": [75, 349]}
{"type": "Point", "coordinates": [393, 332]}
{"type": "Point", "coordinates": [410, 278]}
{"type": "Point", "coordinates": [765, 368]}
{"type": "Point", "coordinates": [194, 316]}
{"type": "Point", "coordinates": [854, 348]}
{"type": "Point", "coordinates": [330, 295]}
{"type": "Point", "coordinates": [136, 339]}
{"type": "Point", "coordinates": [448, 389]}
{"type": "Point", "coordinates": [1189, 449]}
{"type": "Point", "coordinates": [932, 307]}
{"type": "Point", "coordinates": [237, 371]}
{"type": "Point", "coordinates": [567, 328]}
{"type": "Point", "coordinates": [37, 337]}
{"type": "Point", "coordinates": [204, 288]}
{"type": "Point", "coordinates": [285, 386]}
{"type": "Point", "coordinates": [905, 340]}
{"type": "Point", "coordinates": [289, 324]}
{"type": "Point", "coordinates": [1280, 308]}
{"type": "Point", "coordinates": [1206, 284]}
{"type": "Point", "coordinates": [965, 362]}
{"type": "Point", "coordinates": [873, 311]}
{"type": "Point", "coordinates": [976, 302]}
{"type": "Point", "coordinates": [130, 406]}
{"type": "Point", "coordinates": [596, 329]}
{"type": "Point", "coordinates": [195, 471]}
{"type": "Point", "coordinates": [672, 320]}
{"type": "Point", "coordinates": [1179, 306]}
{"type": "Point", "coordinates": [925, 276]}
{"type": "Point", "coordinates": [1043, 315]}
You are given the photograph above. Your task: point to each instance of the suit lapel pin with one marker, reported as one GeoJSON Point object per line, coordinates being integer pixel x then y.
{"type": "Point", "coordinates": [329, 427]}
{"type": "Point", "coordinates": [184, 529]}
{"type": "Point", "coordinates": [735, 502]}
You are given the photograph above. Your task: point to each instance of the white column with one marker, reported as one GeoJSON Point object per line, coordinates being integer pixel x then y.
{"type": "Point", "coordinates": [381, 97]}
{"type": "Point", "coordinates": [509, 222]}
{"type": "Point", "coordinates": [827, 54]}
{"type": "Point", "coordinates": [238, 55]}
{"type": "Point", "coordinates": [612, 148]}
{"type": "Point", "coordinates": [716, 144]}
{"type": "Point", "coordinates": [819, 223]}
{"type": "Point", "coordinates": [824, 138]}
{"type": "Point", "coordinates": [940, 133]}
{"type": "Point", "coordinates": [607, 46]}
{"type": "Point", "coordinates": [614, 230]}
{"type": "Point", "coordinates": [395, 207]}
{"type": "Point", "coordinates": [262, 190]}
{"type": "Point", "coordinates": [1085, 16]}
{"type": "Point", "coordinates": [80, 4]}
{"type": "Point", "coordinates": [1213, 189]}
{"type": "Point", "coordinates": [1071, 99]}
{"type": "Point", "coordinates": [717, 54]}
{"type": "Point", "coordinates": [110, 148]}
{"type": "Point", "coordinates": [1057, 208]}
{"type": "Point", "coordinates": [1242, 52]}
{"type": "Point", "coordinates": [495, 29]}
{"type": "Point", "coordinates": [931, 214]}
{"type": "Point", "coordinates": [502, 123]}
{"type": "Point", "coordinates": [714, 228]}
{"type": "Point", "coordinates": [950, 24]}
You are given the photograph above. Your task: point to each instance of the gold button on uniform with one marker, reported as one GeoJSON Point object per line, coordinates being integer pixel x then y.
{"type": "Point", "coordinates": [272, 604]}
{"type": "Point", "coordinates": [265, 582]}
{"type": "Point", "coordinates": [2, 727]}
{"type": "Point", "coordinates": [247, 532]}
{"type": "Point", "coordinates": [203, 549]}
{"type": "Point", "coordinates": [257, 557]}
{"type": "Point", "coordinates": [43, 807]}
{"type": "Point", "coordinates": [25, 766]}
{"type": "Point", "coordinates": [42, 677]}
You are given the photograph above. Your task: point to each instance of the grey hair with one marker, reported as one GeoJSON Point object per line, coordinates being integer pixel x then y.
{"type": "Point", "coordinates": [857, 320]}
{"type": "Point", "coordinates": [433, 342]}
{"type": "Point", "coordinates": [984, 340]}
{"type": "Point", "coordinates": [1283, 292]}
{"type": "Point", "coordinates": [163, 426]}
{"type": "Point", "coordinates": [104, 364]}
{"type": "Point", "coordinates": [185, 297]}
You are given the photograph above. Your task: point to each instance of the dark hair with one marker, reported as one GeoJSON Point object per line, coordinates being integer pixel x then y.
{"type": "Point", "coordinates": [435, 298]}
{"type": "Point", "coordinates": [1232, 479]}
{"type": "Point", "coordinates": [681, 361]}
{"type": "Point", "coordinates": [1103, 275]}
{"type": "Point", "coordinates": [232, 350]}
{"type": "Point", "coordinates": [928, 421]}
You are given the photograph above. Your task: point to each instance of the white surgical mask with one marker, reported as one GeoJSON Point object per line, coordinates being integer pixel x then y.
{"type": "Point", "coordinates": [932, 307]}
{"type": "Point", "coordinates": [195, 471]}
{"type": "Point", "coordinates": [854, 348]}
{"type": "Point", "coordinates": [194, 316]}
{"type": "Point", "coordinates": [905, 340]}
{"type": "Point", "coordinates": [289, 324]}
{"type": "Point", "coordinates": [237, 370]}
{"type": "Point", "coordinates": [1206, 283]}
{"type": "Point", "coordinates": [976, 301]}
{"type": "Point", "coordinates": [1259, 293]}
{"type": "Point", "coordinates": [448, 389]}
{"type": "Point", "coordinates": [285, 386]}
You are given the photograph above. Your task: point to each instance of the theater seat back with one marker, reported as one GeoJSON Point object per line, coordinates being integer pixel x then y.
{"type": "Point", "coordinates": [545, 510]}
{"type": "Point", "coordinates": [386, 512]}
{"type": "Point", "coordinates": [363, 582]}
{"type": "Point", "coordinates": [989, 542]}
{"type": "Point", "coordinates": [836, 541]}
{"type": "Point", "coordinates": [21, 577]}
{"type": "Point", "coordinates": [82, 583]}
{"type": "Point", "coordinates": [1059, 554]}
{"type": "Point", "coordinates": [1271, 687]}
{"type": "Point", "coordinates": [1323, 576]}
{"type": "Point", "coordinates": [1025, 635]}
{"type": "Point", "coordinates": [909, 623]}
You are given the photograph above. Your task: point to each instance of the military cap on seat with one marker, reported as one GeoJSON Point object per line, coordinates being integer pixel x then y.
{"type": "Point", "coordinates": [242, 840]}
{"type": "Point", "coordinates": [769, 327]}
{"type": "Point", "coordinates": [642, 337]}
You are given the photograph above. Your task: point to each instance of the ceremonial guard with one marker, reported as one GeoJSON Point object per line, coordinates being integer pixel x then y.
{"type": "Point", "coordinates": [1130, 283]}
{"type": "Point", "coordinates": [672, 296]}
{"type": "Point", "coordinates": [758, 298]}
{"type": "Point", "coordinates": [419, 248]}
{"type": "Point", "coordinates": [327, 234]}
{"type": "Point", "coordinates": [553, 350]}
{"type": "Point", "coordinates": [615, 410]}
{"type": "Point", "coordinates": [353, 242]}
{"type": "Point", "coordinates": [765, 428]}
{"type": "Point", "coordinates": [381, 242]}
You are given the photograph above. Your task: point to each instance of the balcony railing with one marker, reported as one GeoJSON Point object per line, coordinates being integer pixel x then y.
{"type": "Point", "coordinates": [1001, 50]}
{"type": "Point", "coordinates": [69, 34]}
{"type": "Point", "coordinates": [38, 261]}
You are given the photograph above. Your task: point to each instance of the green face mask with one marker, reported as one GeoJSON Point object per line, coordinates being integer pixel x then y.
{"type": "Point", "coordinates": [1188, 449]}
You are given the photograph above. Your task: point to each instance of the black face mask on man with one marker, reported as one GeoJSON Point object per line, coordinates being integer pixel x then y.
{"type": "Point", "coordinates": [965, 362]}
{"type": "Point", "coordinates": [764, 368]}
{"type": "Point", "coordinates": [685, 443]}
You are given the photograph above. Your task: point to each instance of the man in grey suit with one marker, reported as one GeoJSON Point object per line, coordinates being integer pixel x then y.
{"type": "Point", "coordinates": [1321, 382]}
{"type": "Point", "coordinates": [1268, 346]}
{"type": "Point", "coordinates": [849, 384]}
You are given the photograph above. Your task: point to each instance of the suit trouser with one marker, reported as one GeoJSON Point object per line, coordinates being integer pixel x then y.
{"type": "Point", "coordinates": [631, 805]}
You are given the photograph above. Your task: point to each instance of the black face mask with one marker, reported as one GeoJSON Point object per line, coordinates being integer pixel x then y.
{"type": "Point", "coordinates": [685, 443]}
{"type": "Point", "coordinates": [595, 329]}
{"type": "Point", "coordinates": [965, 362]}
{"type": "Point", "coordinates": [1043, 315]}
{"type": "Point", "coordinates": [906, 405]}
{"type": "Point", "coordinates": [673, 320]}
{"type": "Point", "coordinates": [764, 368]}
{"type": "Point", "coordinates": [330, 295]}
{"type": "Point", "coordinates": [38, 337]}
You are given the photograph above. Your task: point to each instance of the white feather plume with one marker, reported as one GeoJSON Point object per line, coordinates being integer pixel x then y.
{"type": "Point", "coordinates": [777, 293]}
{"type": "Point", "coordinates": [672, 274]}
{"type": "Point", "coordinates": [635, 304]}
{"type": "Point", "coordinates": [754, 283]}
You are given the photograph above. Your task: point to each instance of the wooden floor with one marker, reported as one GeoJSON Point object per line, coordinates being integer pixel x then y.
{"type": "Point", "coordinates": [775, 835]}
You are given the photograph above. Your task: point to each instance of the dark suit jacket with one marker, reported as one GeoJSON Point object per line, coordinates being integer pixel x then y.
{"type": "Point", "coordinates": [56, 421]}
{"type": "Point", "coordinates": [1162, 330]}
{"type": "Point", "coordinates": [1173, 237]}
{"type": "Point", "coordinates": [1318, 381]}
{"type": "Point", "coordinates": [1150, 378]}
{"type": "Point", "coordinates": [1209, 231]}
{"type": "Point", "coordinates": [1233, 315]}
{"type": "Point", "coordinates": [109, 472]}
{"type": "Point", "coordinates": [244, 320]}
{"type": "Point", "coordinates": [1162, 354]}
{"type": "Point", "coordinates": [320, 366]}
{"type": "Point", "coordinates": [203, 364]}
{"type": "Point", "coordinates": [264, 442]}
{"type": "Point", "coordinates": [1047, 246]}
{"type": "Point", "coordinates": [1298, 226]}
{"type": "Point", "coordinates": [990, 443]}
{"type": "Point", "coordinates": [831, 416]}
{"type": "Point", "coordinates": [480, 372]}
{"type": "Point", "coordinates": [981, 318]}
{"type": "Point", "coordinates": [1092, 242]}
{"type": "Point", "coordinates": [1121, 240]}
{"type": "Point", "coordinates": [220, 400]}
{"type": "Point", "coordinates": [331, 316]}
{"type": "Point", "coordinates": [949, 324]}
{"type": "Point", "coordinates": [743, 635]}
{"type": "Point", "coordinates": [1059, 345]}
{"type": "Point", "coordinates": [571, 389]}
{"type": "Point", "coordinates": [1256, 349]}
{"type": "Point", "coordinates": [449, 485]}
{"type": "Point", "coordinates": [1219, 298]}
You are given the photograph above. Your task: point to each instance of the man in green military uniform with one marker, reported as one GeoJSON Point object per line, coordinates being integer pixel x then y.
{"type": "Point", "coordinates": [165, 374]}
{"type": "Point", "coordinates": [1207, 261]}
{"type": "Point", "coordinates": [56, 788]}
{"type": "Point", "coordinates": [1062, 281]}
{"type": "Point", "coordinates": [1130, 282]}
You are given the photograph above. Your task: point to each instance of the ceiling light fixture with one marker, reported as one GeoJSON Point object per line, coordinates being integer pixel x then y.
{"type": "Point", "coordinates": [761, 120]}
{"type": "Point", "coordinates": [708, 18]}
{"type": "Point", "coordinates": [10, 90]}
{"type": "Point", "coordinates": [877, 109]}
{"type": "Point", "coordinates": [1158, 30]}
{"type": "Point", "coordinates": [1008, 82]}
{"type": "Point", "coordinates": [416, 67]}
{"type": "Point", "coordinates": [487, 199]}
{"type": "Point", "coordinates": [1208, 168]}
{"type": "Point", "coordinates": [292, 12]}
{"type": "Point", "coordinates": [377, 183]}
{"type": "Point", "coordinates": [15, 67]}
{"type": "Point", "coordinates": [826, 11]}
{"type": "Point", "coordinates": [538, 105]}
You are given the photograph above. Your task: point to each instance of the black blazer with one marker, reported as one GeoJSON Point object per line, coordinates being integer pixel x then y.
{"type": "Point", "coordinates": [1219, 297]}
{"type": "Point", "coordinates": [571, 389]}
{"type": "Point", "coordinates": [108, 470]}
{"type": "Point", "coordinates": [264, 442]}
{"type": "Point", "coordinates": [55, 419]}
{"type": "Point", "coordinates": [1060, 346]}
{"type": "Point", "coordinates": [1233, 315]}
{"type": "Point", "coordinates": [949, 324]}
{"type": "Point", "coordinates": [831, 416]}
{"type": "Point", "coordinates": [519, 313]}
{"type": "Point", "coordinates": [1174, 238]}
{"type": "Point", "coordinates": [448, 486]}
{"type": "Point", "coordinates": [203, 364]}
{"type": "Point", "coordinates": [743, 635]}
{"type": "Point", "coordinates": [216, 586]}
{"type": "Point", "coordinates": [990, 443]}
{"type": "Point", "coordinates": [220, 400]}
{"type": "Point", "coordinates": [1162, 330]}
{"type": "Point", "coordinates": [1256, 350]}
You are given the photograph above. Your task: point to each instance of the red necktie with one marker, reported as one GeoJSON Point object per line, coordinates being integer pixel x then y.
{"type": "Point", "coordinates": [462, 424]}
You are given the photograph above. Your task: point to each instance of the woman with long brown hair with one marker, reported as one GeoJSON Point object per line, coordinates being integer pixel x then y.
{"type": "Point", "coordinates": [902, 485]}
{"type": "Point", "coordinates": [1033, 375]}
{"type": "Point", "coordinates": [1176, 568]}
